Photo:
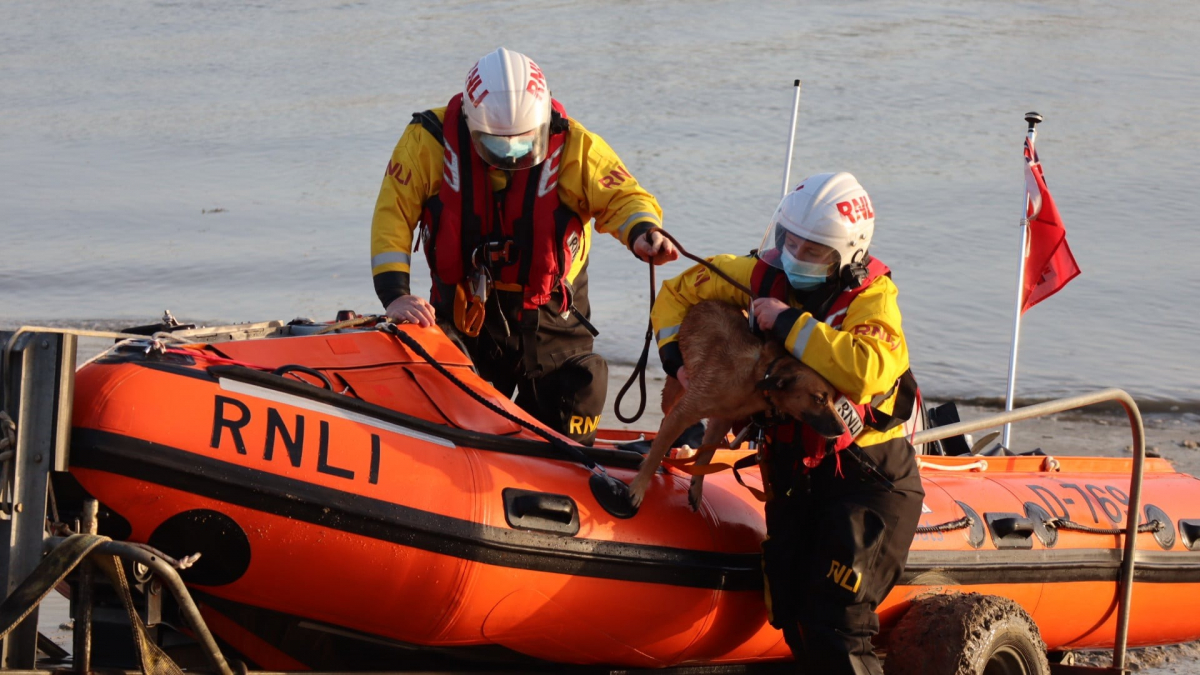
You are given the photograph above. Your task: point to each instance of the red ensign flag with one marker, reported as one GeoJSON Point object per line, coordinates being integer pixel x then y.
{"type": "Point", "coordinates": [1049, 264]}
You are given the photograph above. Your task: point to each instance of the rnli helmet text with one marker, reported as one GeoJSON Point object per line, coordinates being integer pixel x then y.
{"type": "Point", "coordinates": [856, 209]}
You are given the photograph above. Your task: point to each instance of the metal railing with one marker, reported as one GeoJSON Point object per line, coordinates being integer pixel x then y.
{"type": "Point", "coordinates": [1125, 587]}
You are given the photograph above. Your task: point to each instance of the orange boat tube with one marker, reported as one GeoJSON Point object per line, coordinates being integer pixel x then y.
{"type": "Point", "coordinates": [342, 483]}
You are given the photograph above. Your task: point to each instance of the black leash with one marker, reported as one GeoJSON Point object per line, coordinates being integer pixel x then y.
{"type": "Point", "coordinates": [711, 267]}
{"type": "Point", "coordinates": [639, 370]}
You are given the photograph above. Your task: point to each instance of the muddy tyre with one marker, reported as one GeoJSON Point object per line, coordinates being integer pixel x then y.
{"type": "Point", "coordinates": [966, 634]}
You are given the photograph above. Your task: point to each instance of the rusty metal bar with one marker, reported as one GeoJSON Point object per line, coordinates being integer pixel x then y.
{"type": "Point", "coordinates": [82, 629]}
{"type": "Point", "coordinates": [1125, 584]}
{"type": "Point", "coordinates": [81, 633]}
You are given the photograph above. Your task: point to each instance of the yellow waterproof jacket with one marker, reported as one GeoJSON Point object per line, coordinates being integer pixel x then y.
{"type": "Point", "coordinates": [863, 358]}
{"type": "Point", "coordinates": [592, 182]}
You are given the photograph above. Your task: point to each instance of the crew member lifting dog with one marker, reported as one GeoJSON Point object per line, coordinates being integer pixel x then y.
{"type": "Point", "coordinates": [503, 184]}
{"type": "Point", "coordinates": [840, 517]}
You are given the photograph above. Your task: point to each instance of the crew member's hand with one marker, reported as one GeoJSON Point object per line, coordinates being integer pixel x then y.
{"type": "Point", "coordinates": [766, 310]}
{"type": "Point", "coordinates": [653, 246]}
{"type": "Point", "coordinates": [413, 309]}
{"type": "Point", "coordinates": [681, 375]}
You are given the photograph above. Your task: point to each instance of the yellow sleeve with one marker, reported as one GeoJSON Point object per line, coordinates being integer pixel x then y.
{"type": "Point", "coordinates": [413, 175]}
{"type": "Point", "coordinates": [867, 354]}
{"type": "Point", "coordinates": [678, 295]}
{"type": "Point", "coordinates": [595, 184]}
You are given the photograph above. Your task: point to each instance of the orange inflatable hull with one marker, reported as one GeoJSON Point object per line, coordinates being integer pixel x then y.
{"type": "Point", "coordinates": [388, 505]}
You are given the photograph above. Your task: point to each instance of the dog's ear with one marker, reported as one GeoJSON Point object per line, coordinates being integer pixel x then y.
{"type": "Point", "coordinates": [774, 383]}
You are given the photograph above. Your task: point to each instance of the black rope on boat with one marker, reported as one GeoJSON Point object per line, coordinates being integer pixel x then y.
{"type": "Point", "coordinates": [1064, 524]}
{"type": "Point", "coordinates": [960, 524]}
{"type": "Point", "coordinates": [290, 367]}
{"type": "Point", "coordinates": [554, 441]}
{"type": "Point", "coordinates": [1056, 523]}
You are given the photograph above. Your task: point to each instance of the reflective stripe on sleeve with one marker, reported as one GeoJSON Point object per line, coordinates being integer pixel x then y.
{"type": "Point", "coordinates": [637, 218]}
{"type": "Point", "coordinates": [670, 331]}
{"type": "Point", "coordinates": [802, 337]}
{"type": "Point", "coordinates": [390, 257]}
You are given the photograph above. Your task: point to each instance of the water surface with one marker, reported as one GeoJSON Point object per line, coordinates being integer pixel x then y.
{"type": "Point", "coordinates": [121, 124]}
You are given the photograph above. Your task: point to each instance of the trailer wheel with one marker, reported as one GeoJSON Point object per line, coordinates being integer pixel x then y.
{"type": "Point", "coordinates": [966, 634]}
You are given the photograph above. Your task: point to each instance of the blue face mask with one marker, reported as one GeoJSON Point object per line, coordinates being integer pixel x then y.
{"type": "Point", "coordinates": [508, 147]}
{"type": "Point", "coordinates": [803, 276]}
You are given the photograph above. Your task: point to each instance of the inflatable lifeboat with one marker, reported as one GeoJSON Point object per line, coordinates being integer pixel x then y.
{"type": "Point", "coordinates": [364, 486]}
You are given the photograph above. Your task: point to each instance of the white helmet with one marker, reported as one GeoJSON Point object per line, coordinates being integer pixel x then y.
{"type": "Point", "coordinates": [830, 209]}
{"type": "Point", "coordinates": [507, 104]}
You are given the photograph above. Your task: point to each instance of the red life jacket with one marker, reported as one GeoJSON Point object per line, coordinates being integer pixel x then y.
{"type": "Point", "coordinates": [533, 235]}
{"type": "Point", "coordinates": [768, 281]}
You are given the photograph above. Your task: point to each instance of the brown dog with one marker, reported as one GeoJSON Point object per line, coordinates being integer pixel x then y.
{"type": "Point", "coordinates": [732, 374]}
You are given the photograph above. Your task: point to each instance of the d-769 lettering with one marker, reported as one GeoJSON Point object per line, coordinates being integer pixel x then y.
{"type": "Point", "coordinates": [1110, 500]}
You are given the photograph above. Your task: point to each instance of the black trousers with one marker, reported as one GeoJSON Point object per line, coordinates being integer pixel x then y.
{"type": "Point", "coordinates": [545, 356]}
{"type": "Point", "coordinates": [836, 545]}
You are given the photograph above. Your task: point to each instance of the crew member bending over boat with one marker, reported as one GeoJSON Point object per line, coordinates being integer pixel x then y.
{"type": "Point", "coordinates": [504, 184]}
{"type": "Point", "coordinates": [837, 533]}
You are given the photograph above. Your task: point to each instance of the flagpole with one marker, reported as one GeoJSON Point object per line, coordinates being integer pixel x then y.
{"type": "Point", "coordinates": [787, 163]}
{"type": "Point", "coordinates": [1033, 119]}
{"type": "Point", "coordinates": [787, 177]}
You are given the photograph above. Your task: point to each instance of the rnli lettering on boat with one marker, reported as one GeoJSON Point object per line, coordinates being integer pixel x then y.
{"type": "Point", "coordinates": [231, 417]}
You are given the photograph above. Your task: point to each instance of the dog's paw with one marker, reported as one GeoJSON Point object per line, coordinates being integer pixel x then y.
{"type": "Point", "coordinates": [637, 491]}
{"type": "Point", "coordinates": [696, 492]}
{"type": "Point", "coordinates": [635, 498]}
